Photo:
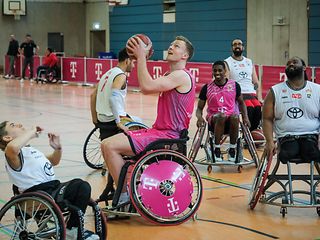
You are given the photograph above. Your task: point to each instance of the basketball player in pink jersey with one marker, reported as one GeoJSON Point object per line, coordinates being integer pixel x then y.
{"type": "Point", "coordinates": [175, 105]}
{"type": "Point", "coordinates": [224, 99]}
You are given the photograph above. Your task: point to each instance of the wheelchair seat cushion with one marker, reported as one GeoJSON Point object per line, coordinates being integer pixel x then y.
{"type": "Point", "coordinates": [299, 149]}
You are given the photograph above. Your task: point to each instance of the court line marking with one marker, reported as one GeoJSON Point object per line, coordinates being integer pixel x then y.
{"type": "Point", "coordinates": [238, 226]}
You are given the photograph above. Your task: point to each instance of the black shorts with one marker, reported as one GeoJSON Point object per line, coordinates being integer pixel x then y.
{"type": "Point", "coordinates": [302, 147]}
{"type": "Point", "coordinates": [107, 129]}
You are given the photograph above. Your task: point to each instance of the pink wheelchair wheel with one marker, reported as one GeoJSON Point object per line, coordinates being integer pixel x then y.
{"type": "Point", "coordinates": [165, 187]}
{"type": "Point", "coordinates": [165, 183]}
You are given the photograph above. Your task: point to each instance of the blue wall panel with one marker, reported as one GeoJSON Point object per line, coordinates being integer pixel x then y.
{"type": "Point", "coordinates": [314, 33]}
{"type": "Point", "coordinates": [209, 24]}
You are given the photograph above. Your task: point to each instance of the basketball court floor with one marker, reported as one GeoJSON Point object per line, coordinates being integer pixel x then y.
{"type": "Point", "coordinates": [223, 213]}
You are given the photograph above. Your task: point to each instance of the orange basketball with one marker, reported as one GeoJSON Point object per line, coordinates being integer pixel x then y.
{"type": "Point", "coordinates": [258, 137]}
{"type": "Point", "coordinates": [146, 40]}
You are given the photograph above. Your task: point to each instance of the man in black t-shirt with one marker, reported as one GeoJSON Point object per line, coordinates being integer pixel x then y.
{"type": "Point", "coordinates": [28, 48]}
{"type": "Point", "coordinates": [12, 53]}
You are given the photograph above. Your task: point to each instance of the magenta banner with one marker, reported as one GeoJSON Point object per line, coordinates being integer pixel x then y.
{"type": "Point", "coordinates": [96, 68]}
{"type": "Point", "coordinates": [73, 69]}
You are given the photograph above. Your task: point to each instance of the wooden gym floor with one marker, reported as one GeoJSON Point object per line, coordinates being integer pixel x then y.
{"type": "Point", "coordinates": [223, 213]}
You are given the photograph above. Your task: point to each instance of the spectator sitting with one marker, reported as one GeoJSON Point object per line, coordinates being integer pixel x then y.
{"type": "Point", "coordinates": [50, 60]}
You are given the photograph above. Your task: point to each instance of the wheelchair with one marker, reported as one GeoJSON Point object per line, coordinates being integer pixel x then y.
{"type": "Point", "coordinates": [50, 75]}
{"type": "Point", "coordinates": [208, 146]}
{"type": "Point", "coordinates": [35, 215]}
{"type": "Point", "coordinates": [289, 195]}
{"type": "Point", "coordinates": [91, 149]}
{"type": "Point", "coordinates": [164, 186]}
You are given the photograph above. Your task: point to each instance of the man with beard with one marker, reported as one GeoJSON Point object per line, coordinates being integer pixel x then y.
{"type": "Point", "coordinates": [107, 104]}
{"type": "Point", "coordinates": [292, 109]}
{"type": "Point", "coordinates": [243, 71]}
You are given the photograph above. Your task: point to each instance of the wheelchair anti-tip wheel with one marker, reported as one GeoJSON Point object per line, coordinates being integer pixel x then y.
{"type": "Point", "coordinates": [165, 187]}
{"type": "Point", "coordinates": [259, 180]}
{"type": "Point", "coordinates": [31, 215]}
{"type": "Point", "coordinates": [92, 151]}
{"type": "Point", "coordinates": [196, 143]}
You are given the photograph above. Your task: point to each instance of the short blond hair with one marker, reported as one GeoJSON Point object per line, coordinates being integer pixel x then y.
{"type": "Point", "coordinates": [189, 45]}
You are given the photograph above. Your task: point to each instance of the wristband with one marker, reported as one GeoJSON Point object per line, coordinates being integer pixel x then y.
{"type": "Point", "coordinates": [58, 148]}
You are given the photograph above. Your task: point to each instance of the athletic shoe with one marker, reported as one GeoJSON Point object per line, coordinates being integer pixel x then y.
{"type": "Point", "coordinates": [89, 235]}
{"type": "Point", "coordinates": [31, 80]}
{"type": "Point", "coordinates": [7, 76]}
{"type": "Point", "coordinates": [72, 234]}
{"type": "Point", "coordinates": [217, 155]}
{"type": "Point", "coordinates": [22, 80]}
{"type": "Point", "coordinates": [232, 154]}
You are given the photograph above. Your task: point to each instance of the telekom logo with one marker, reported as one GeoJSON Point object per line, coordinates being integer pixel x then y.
{"type": "Point", "coordinates": [172, 205]}
{"type": "Point", "coordinates": [157, 72]}
{"type": "Point", "coordinates": [195, 73]}
{"type": "Point", "coordinates": [98, 70]}
{"type": "Point", "coordinates": [73, 69]}
{"type": "Point", "coordinates": [282, 77]}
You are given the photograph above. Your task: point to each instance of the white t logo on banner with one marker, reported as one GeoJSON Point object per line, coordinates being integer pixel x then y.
{"type": "Point", "coordinates": [98, 70]}
{"type": "Point", "coordinates": [195, 73]}
{"type": "Point", "coordinates": [73, 69]}
{"type": "Point", "coordinates": [283, 77]}
{"type": "Point", "coordinates": [157, 72]}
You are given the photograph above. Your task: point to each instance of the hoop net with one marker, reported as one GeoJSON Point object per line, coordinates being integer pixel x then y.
{"type": "Point", "coordinates": [16, 15]}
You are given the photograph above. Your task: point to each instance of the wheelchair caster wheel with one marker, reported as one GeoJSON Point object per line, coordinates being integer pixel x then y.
{"type": "Point", "coordinates": [239, 169]}
{"type": "Point", "coordinates": [209, 169]}
{"type": "Point", "coordinates": [103, 172]}
{"type": "Point", "coordinates": [283, 211]}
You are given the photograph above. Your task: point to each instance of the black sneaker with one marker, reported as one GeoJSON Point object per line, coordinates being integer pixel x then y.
{"type": "Point", "coordinates": [217, 155]}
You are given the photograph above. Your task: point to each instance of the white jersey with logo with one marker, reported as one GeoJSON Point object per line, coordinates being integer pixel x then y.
{"type": "Point", "coordinates": [35, 169]}
{"type": "Point", "coordinates": [104, 91]}
{"type": "Point", "coordinates": [296, 112]}
{"type": "Point", "coordinates": [241, 71]}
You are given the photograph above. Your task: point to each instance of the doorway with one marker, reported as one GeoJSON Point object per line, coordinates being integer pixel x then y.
{"type": "Point", "coordinates": [97, 42]}
{"type": "Point", "coordinates": [56, 41]}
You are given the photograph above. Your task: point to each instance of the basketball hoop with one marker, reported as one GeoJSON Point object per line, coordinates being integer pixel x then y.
{"type": "Point", "coordinates": [113, 3]}
{"type": "Point", "coordinates": [16, 15]}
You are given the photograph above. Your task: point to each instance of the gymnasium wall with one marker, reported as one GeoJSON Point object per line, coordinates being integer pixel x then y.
{"type": "Point", "coordinates": [314, 33]}
{"type": "Point", "coordinates": [209, 24]}
{"type": "Point", "coordinates": [68, 18]}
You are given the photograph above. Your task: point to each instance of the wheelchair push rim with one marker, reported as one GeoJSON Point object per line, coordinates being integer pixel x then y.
{"type": "Point", "coordinates": [196, 143]}
{"type": "Point", "coordinates": [174, 196]}
{"type": "Point", "coordinates": [260, 179]}
{"type": "Point", "coordinates": [32, 216]}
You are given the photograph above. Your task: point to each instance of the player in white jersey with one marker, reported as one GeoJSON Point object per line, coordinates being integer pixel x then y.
{"type": "Point", "coordinates": [292, 110]}
{"type": "Point", "coordinates": [108, 105]}
{"type": "Point", "coordinates": [30, 170]}
{"type": "Point", "coordinates": [242, 70]}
